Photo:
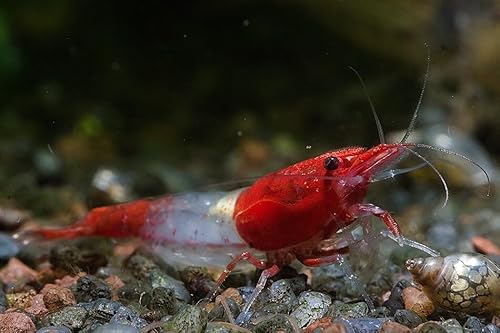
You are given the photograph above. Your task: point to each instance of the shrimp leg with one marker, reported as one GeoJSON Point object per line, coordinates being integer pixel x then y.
{"type": "Point", "coordinates": [364, 209]}
{"type": "Point", "coordinates": [264, 276]}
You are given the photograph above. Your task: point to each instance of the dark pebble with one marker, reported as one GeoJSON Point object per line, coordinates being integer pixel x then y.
{"type": "Point", "coordinates": [352, 310]}
{"type": "Point", "coordinates": [89, 288]}
{"type": "Point", "coordinates": [491, 328]}
{"type": "Point", "coordinates": [126, 316]}
{"type": "Point", "coordinates": [395, 301]}
{"type": "Point", "coordinates": [162, 303]}
{"type": "Point", "coordinates": [218, 312]}
{"type": "Point", "coordinates": [473, 325]}
{"type": "Point", "coordinates": [190, 318]}
{"type": "Point", "coordinates": [279, 298]}
{"type": "Point", "coordinates": [70, 258]}
{"type": "Point", "coordinates": [279, 322]}
{"type": "Point", "coordinates": [431, 327]}
{"type": "Point", "coordinates": [408, 318]}
{"type": "Point", "coordinates": [3, 299]}
{"type": "Point", "coordinates": [135, 291]}
{"type": "Point", "coordinates": [146, 270]}
{"type": "Point", "coordinates": [219, 327]}
{"type": "Point", "coordinates": [72, 317]}
{"type": "Point", "coordinates": [198, 281]}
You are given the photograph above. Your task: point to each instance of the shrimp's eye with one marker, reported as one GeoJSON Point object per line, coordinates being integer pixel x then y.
{"type": "Point", "coordinates": [331, 163]}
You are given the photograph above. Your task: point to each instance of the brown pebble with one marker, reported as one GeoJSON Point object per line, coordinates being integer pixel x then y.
{"type": "Point", "coordinates": [319, 325]}
{"type": "Point", "coordinates": [20, 300]}
{"type": "Point", "coordinates": [335, 328]}
{"type": "Point", "coordinates": [67, 281]}
{"type": "Point", "coordinates": [393, 327]}
{"type": "Point", "coordinates": [16, 322]}
{"type": "Point", "coordinates": [485, 246]}
{"type": "Point", "coordinates": [115, 283]}
{"type": "Point", "coordinates": [17, 273]}
{"type": "Point", "coordinates": [416, 300]}
{"type": "Point", "coordinates": [56, 297]}
{"type": "Point", "coordinates": [37, 307]}
{"type": "Point", "coordinates": [233, 294]}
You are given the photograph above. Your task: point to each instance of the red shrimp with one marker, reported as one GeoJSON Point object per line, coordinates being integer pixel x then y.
{"type": "Point", "coordinates": [286, 215]}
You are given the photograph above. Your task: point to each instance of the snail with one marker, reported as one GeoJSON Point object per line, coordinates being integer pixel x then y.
{"type": "Point", "coordinates": [465, 282]}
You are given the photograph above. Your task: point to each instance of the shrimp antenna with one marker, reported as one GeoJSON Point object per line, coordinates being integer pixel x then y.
{"type": "Point", "coordinates": [417, 108]}
{"type": "Point", "coordinates": [450, 152]}
{"type": "Point", "coordinates": [377, 120]}
{"type": "Point", "coordinates": [443, 181]}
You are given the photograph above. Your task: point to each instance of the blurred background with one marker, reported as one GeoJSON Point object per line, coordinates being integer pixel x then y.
{"type": "Point", "coordinates": [107, 101]}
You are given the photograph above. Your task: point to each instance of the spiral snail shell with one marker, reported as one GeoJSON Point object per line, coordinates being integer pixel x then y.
{"type": "Point", "coordinates": [465, 282]}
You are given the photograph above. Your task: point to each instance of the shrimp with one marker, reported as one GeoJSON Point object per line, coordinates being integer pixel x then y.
{"type": "Point", "coordinates": [290, 214]}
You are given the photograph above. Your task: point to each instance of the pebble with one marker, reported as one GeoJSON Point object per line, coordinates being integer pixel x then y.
{"type": "Point", "coordinates": [197, 280]}
{"type": "Point", "coordinates": [354, 310]}
{"type": "Point", "coordinates": [416, 300]}
{"type": "Point", "coordinates": [312, 306]}
{"type": "Point", "coordinates": [452, 326]}
{"type": "Point", "coordinates": [430, 327]}
{"type": "Point", "coordinates": [89, 288]}
{"type": "Point", "coordinates": [162, 303]}
{"type": "Point", "coordinates": [8, 247]}
{"type": "Point", "coordinates": [56, 297]}
{"type": "Point", "coordinates": [218, 312]}
{"type": "Point", "coordinates": [11, 218]}
{"type": "Point", "coordinates": [473, 325]}
{"type": "Point", "coordinates": [54, 329]}
{"type": "Point", "coordinates": [20, 300]}
{"type": "Point", "coordinates": [124, 315]}
{"type": "Point", "coordinates": [278, 298]}
{"type": "Point", "coordinates": [16, 322]}
{"type": "Point", "coordinates": [393, 327]}
{"type": "Point", "coordinates": [17, 273]}
{"type": "Point", "coordinates": [144, 269]}
{"type": "Point", "coordinates": [116, 328]}
{"type": "Point", "coordinates": [190, 318]}
{"type": "Point", "coordinates": [72, 317]}
{"type": "Point", "coordinates": [408, 318]}
{"type": "Point", "coordinates": [395, 301]}
{"type": "Point", "coordinates": [37, 306]}
{"type": "Point", "coordinates": [361, 325]}
{"type": "Point", "coordinates": [69, 258]}
{"type": "Point", "coordinates": [221, 327]}
{"type": "Point", "coordinates": [275, 323]}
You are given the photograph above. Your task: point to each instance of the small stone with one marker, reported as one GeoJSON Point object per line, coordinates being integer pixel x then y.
{"type": "Point", "coordinates": [20, 300]}
{"type": "Point", "coordinates": [116, 328]}
{"type": "Point", "coordinates": [485, 246]}
{"type": "Point", "coordinates": [163, 302]}
{"type": "Point", "coordinates": [144, 269]}
{"type": "Point", "coordinates": [37, 307]}
{"type": "Point", "coordinates": [217, 312]}
{"type": "Point", "coordinates": [89, 288]}
{"type": "Point", "coordinates": [68, 281]}
{"type": "Point", "coordinates": [430, 327]}
{"type": "Point", "coordinates": [221, 327]}
{"type": "Point", "coordinates": [354, 310]}
{"type": "Point", "coordinates": [277, 323]}
{"type": "Point", "coordinates": [395, 301]}
{"type": "Point", "coordinates": [56, 297]}
{"type": "Point", "coordinates": [234, 294]}
{"type": "Point", "coordinates": [115, 283]}
{"type": "Point", "coordinates": [279, 298]}
{"type": "Point", "coordinates": [197, 280]}
{"type": "Point", "coordinates": [124, 315]}
{"type": "Point", "coordinates": [16, 322]}
{"type": "Point", "coordinates": [70, 258]}
{"type": "Point", "coordinates": [72, 317]}
{"type": "Point", "coordinates": [189, 319]}
{"type": "Point", "coordinates": [54, 329]}
{"type": "Point", "coordinates": [452, 326]}
{"type": "Point", "coordinates": [416, 300]}
{"type": "Point", "coordinates": [17, 273]}
{"type": "Point", "coordinates": [491, 328]}
{"type": "Point", "coordinates": [408, 318]}
{"type": "Point", "coordinates": [335, 328]}
{"type": "Point", "coordinates": [365, 324]}
{"type": "Point", "coordinates": [312, 306]}
{"type": "Point", "coordinates": [393, 327]}
{"type": "Point", "coordinates": [473, 325]}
